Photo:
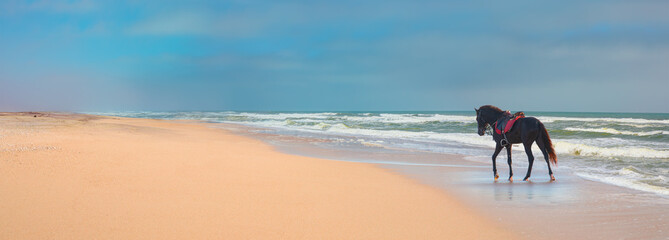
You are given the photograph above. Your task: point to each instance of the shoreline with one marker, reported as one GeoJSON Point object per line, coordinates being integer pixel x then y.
{"type": "Point", "coordinates": [84, 176]}
{"type": "Point", "coordinates": [571, 207]}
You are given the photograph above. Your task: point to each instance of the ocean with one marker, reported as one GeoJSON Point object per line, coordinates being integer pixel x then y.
{"type": "Point", "coordinates": [624, 149]}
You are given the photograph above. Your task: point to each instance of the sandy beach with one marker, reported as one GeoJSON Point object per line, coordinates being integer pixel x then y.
{"type": "Point", "coordinates": [71, 176]}
{"type": "Point", "coordinates": [334, 120]}
{"type": "Point", "coordinates": [572, 207]}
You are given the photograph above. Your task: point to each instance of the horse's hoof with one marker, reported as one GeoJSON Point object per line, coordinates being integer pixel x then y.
{"type": "Point", "coordinates": [496, 177]}
{"type": "Point", "coordinates": [552, 178]}
{"type": "Point", "coordinates": [526, 178]}
{"type": "Point", "coordinates": [510, 179]}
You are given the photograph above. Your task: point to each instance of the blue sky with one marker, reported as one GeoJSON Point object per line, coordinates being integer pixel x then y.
{"type": "Point", "coordinates": [610, 56]}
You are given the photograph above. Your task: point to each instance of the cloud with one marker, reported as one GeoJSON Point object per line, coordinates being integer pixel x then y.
{"type": "Point", "coordinates": [206, 22]}
{"type": "Point", "coordinates": [181, 23]}
{"type": "Point", "coordinates": [374, 54]}
{"type": "Point", "coordinates": [266, 18]}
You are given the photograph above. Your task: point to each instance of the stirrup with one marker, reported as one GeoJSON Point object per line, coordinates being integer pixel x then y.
{"type": "Point", "coordinates": [503, 142]}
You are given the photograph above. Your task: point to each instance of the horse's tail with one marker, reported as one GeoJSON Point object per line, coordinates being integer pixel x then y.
{"type": "Point", "coordinates": [548, 144]}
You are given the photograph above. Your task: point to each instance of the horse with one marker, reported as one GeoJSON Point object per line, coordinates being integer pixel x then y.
{"type": "Point", "coordinates": [526, 130]}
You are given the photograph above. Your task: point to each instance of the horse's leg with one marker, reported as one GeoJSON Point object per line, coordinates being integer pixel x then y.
{"type": "Point", "coordinates": [498, 148]}
{"type": "Point", "coordinates": [542, 146]}
{"type": "Point", "coordinates": [508, 153]}
{"type": "Point", "coordinates": [530, 159]}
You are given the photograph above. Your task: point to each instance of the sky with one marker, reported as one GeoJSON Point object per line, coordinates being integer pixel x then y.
{"type": "Point", "coordinates": [592, 56]}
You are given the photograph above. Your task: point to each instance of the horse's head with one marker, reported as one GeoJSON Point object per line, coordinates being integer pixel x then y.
{"type": "Point", "coordinates": [482, 124]}
{"type": "Point", "coordinates": [487, 115]}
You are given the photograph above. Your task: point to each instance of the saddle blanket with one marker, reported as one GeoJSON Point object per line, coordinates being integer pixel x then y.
{"type": "Point", "coordinates": [505, 124]}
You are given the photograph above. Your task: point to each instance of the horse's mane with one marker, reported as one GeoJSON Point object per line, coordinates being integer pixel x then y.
{"type": "Point", "coordinates": [491, 107]}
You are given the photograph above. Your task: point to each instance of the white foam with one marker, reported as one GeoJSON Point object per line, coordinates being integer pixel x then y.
{"type": "Point", "coordinates": [577, 147]}
{"type": "Point", "coordinates": [466, 138]}
{"type": "Point", "coordinates": [637, 125]}
{"type": "Point", "coordinates": [376, 144]}
{"type": "Point", "coordinates": [547, 119]}
{"type": "Point", "coordinates": [334, 123]}
{"type": "Point", "coordinates": [617, 132]}
{"type": "Point", "coordinates": [360, 118]}
{"type": "Point", "coordinates": [624, 182]}
{"type": "Point", "coordinates": [411, 118]}
{"type": "Point", "coordinates": [562, 147]}
{"type": "Point", "coordinates": [285, 116]}
{"type": "Point", "coordinates": [342, 129]}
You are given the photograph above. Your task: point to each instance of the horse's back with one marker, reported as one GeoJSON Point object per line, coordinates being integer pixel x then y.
{"type": "Point", "coordinates": [529, 127]}
{"type": "Point", "coordinates": [531, 122]}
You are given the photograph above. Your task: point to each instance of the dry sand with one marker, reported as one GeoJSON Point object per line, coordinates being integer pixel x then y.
{"type": "Point", "coordinates": [65, 176]}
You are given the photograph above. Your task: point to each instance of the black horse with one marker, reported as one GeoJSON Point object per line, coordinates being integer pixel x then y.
{"type": "Point", "coordinates": [525, 131]}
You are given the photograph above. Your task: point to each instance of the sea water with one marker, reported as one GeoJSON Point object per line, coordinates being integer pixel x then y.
{"type": "Point", "coordinates": [624, 149]}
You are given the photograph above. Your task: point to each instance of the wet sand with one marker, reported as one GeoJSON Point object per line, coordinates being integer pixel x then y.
{"type": "Point", "coordinates": [72, 176]}
{"type": "Point", "coordinates": [569, 208]}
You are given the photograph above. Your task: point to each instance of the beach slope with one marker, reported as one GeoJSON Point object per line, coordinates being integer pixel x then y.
{"type": "Point", "coordinates": [71, 176]}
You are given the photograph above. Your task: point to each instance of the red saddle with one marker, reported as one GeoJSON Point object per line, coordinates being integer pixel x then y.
{"type": "Point", "coordinates": [505, 124]}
